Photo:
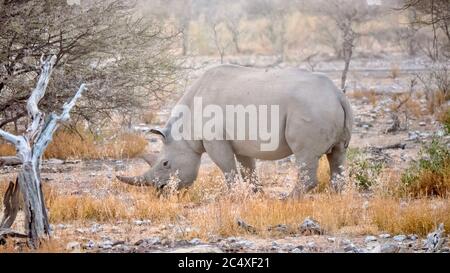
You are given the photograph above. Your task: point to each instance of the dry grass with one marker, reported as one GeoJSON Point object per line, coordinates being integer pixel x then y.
{"type": "Point", "coordinates": [403, 102]}
{"type": "Point", "coordinates": [369, 96]}
{"type": "Point", "coordinates": [417, 216]}
{"type": "Point", "coordinates": [211, 209]}
{"type": "Point", "coordinates": [148, 117]}
{"type": "Point", "coordinates": [6, 149]}
{"type": "Point", "coordinates": [69, 145]}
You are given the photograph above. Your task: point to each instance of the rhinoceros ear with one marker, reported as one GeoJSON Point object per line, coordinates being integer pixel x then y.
{"type": "Point", "coordinates": [160, 132]}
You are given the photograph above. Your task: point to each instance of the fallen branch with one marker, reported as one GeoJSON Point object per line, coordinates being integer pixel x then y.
{"type": "Point", "coordinates": [392, 146]}
{"type": "Point", "coordinates": [10, 161]}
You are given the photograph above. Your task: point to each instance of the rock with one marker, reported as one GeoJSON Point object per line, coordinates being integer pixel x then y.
{"type": "Point", "coordinates": [370, 239]}
{"type": "Point", "coordinates": [346, 242]}
{"type": "Point", "coordinates": [195, 241]}
{"type": "Point", "coordinates": [117, 243]}
{"type": "Point", "coordinates": [331, 239]}
{"type": "Point", "coordinates": [311, 245]}
{"type": "Point", "coordinates": [435, 239]}
{"type": "Point", "coordinates": [95, 228]}
{"type": "Point", "coordinates": [389, 248]}
{"type": "Point", "coordinates": [422, 123]}
{"type": "Point", "coordinates": [279, 228]}
{"type": "Point", "coordinates": [123, 248]}
{"type": "Point", "coordinates": [55, 161]}
{"type": "Point", "coordinates": [73, 245]}
{"type": "Point", "coordinates": [310, 227]}
{"type": "Point", "coordinates": [89, 245]}
{"type": "Point", "coordinates": [384, 236]}
{"type": "Point", "coordinates": [107, 244]}
{"type": "Point", "coordinates": [373, 247]}
{"type": "Point", "coordinates": [400, 238]}
{"type": "Point", "coordinates": [61, 226]}
{"type": "Point", "coordinates": [413, 136]}
{"type": "Point", "coordinates": [148, 241]}
{"type": "Point", "coordinates": [297, 250]}
{"type": "Point", "coordinates": [351, 248]}
{"type": "Point", "coordinates": [246, 226]}
{"type": "Point", "coordinates": [197, 249]}
{"type": "Point", "coordinates": [141, 222]}
{"type": "Point", "coordinates": [413, 237]}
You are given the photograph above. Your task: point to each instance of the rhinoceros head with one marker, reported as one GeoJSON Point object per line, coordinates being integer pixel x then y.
{"type": "Point", "coordinates": [176, 160]}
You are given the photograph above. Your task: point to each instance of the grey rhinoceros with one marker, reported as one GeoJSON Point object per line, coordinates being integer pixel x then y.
{"type": "Point", "coordinates": [314, 118]}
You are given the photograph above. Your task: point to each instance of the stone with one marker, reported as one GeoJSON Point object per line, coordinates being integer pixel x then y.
{"type": "Point", "coordinates": [89, 245]}
{"type": "Point", "coordinates": [148, 241]}
{"type": "Point", "coordinates": [400, 238]}
{"type": "Point", "coordinates": [351, 248]}
{"type": "Point", "coordinates": [279, 228]}
{"type": "Point", "coordinates": [422, 123]}
{"type": "Point", "coordinates": [141, 222]}
{"type": "Point", "coordinates": [436, 239]}
{"type": "Point", "coordinates": [107, 244]}
{"type": "Point", "coordinates": [297, 250]}
{"type": "Point", "coordinates": [331, 239]}
{"type": "Point", "coordinates": [389, 248]}
{"type": "Point", "coordinates": [370, 239]}
{"type": "Point", "coordinates": [310, 227]}
{"type": "Point", "coordinates": [384, 236]}
{"type": "Point", "coordinates": [195, 241]}
{"type": "Point", "coordinates": [246, 226]}
{"type": "Point", "coordinates": [55, 161]}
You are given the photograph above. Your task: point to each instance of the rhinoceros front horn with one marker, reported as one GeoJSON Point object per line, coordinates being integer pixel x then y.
{"type": "Point", "coordinates": [135, 180]}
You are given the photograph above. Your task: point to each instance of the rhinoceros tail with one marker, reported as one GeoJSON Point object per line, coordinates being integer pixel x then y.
{"type": "Point", "coordinates": [348, 118]}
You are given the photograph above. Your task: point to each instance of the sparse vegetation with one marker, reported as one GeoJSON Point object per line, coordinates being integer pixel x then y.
{"type": "Point", "coordinates": [364, 170]}
{"type": "Point", "coordinates": [87, 145]}
{"type": "Point", "coordinates": [430, 174]}
{"type": "Point", "coordinates": [444, 118]}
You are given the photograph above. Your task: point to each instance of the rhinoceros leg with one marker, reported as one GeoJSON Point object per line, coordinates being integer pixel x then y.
{"type": "Point", "coordinates": [221, 153]}
{"type": "Point", "coordinates": [307, 174]}
{"type": "Point", "coordinates": [248, 171]}
{"type": "Point", "coordinates": [336, 159]}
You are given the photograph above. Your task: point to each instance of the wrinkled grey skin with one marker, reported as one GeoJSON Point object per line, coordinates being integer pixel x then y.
{"type": "Point", "coordinates": [315, 119]}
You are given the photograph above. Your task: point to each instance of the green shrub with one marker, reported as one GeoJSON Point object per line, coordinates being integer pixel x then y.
{"type": "Point", "coordinates": [430, 174]}
{"type": "Point", "coordinates": [363, 169]}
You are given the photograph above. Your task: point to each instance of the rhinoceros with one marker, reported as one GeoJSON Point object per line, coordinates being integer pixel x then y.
{"type": "Point", "coordinates": [314, 118]}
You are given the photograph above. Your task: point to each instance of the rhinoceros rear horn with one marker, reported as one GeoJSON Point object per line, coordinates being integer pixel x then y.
{"type": "Point", "coordinates": [150, 158]}
{"type": "Point", "coordinates": [135, 180]}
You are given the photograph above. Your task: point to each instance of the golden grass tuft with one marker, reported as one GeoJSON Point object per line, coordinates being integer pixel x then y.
{"type": "Point", "coordinates": [418, 216]}
{"type": "Point", "coordinates": [69, 145]}
{"type": "Point", "coordinates": [7, 149]}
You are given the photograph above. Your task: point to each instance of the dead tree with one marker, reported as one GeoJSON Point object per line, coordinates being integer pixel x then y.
{"type": "Point", "coordinates": [30, 147]}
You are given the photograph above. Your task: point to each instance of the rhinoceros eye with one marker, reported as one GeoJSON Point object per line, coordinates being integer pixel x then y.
{"type": "Point", "coordinates": [166, 163]}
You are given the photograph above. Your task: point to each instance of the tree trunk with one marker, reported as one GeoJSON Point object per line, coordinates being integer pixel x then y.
{"type": "Point", "coordinates": [36, 221]}
{"type": "Point", "coordinates": [30, 148]}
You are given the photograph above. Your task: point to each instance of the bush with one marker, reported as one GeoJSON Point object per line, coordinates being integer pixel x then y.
{"type": "Point", "coordinates": [363, 169]}
{"type": "Point", "coordinates": [430, 175]}
{"type": "Point", "coordinates": [85, 145]}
